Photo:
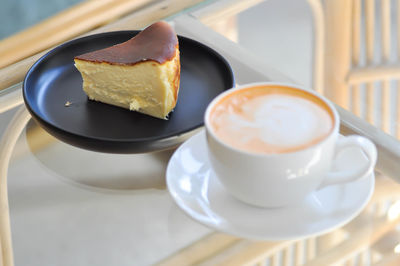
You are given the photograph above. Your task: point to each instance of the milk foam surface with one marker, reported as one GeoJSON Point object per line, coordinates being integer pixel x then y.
{"type": "Point", "coordinates": [270, 123]}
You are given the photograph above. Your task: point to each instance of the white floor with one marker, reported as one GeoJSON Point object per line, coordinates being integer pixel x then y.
{"type": "Point", "coordinates": [281, 35]}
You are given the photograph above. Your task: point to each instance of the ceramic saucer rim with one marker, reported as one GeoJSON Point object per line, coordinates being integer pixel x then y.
{"type": "Point", "coordinates": [201, 217]}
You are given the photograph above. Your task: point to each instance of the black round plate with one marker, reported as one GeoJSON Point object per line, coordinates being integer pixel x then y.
{"type": "Point", "coordinates": [53, 80]}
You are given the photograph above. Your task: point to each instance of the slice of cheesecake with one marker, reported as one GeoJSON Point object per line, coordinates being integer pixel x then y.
{"type": "Point", "coordinates": [141, 74]}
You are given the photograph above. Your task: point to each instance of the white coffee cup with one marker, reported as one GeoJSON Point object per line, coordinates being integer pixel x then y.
{"type": "Point", "coordinates": [281, 179]}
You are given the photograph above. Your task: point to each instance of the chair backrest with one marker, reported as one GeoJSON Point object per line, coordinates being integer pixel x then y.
{"type": "Point", "coordinates": [357, 55]}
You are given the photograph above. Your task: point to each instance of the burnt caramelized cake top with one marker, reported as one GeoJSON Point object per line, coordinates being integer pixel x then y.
{"type": "Point", "coordinates": [158, 42]}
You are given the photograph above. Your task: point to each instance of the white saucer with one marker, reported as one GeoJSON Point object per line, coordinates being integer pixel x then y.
{"type": "Point", "coordinates": [197, 191]}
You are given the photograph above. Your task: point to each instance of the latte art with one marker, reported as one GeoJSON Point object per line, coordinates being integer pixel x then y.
{"type": "Point", "coordinates": [264, 121]}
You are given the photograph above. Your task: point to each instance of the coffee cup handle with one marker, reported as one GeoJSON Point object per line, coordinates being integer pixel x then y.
{"type": "Point", "coordinates": [366, 146]}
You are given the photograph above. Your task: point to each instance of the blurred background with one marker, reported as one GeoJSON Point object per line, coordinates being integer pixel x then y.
{"type": "Point", "coordinates": [282, 35]}
{"type": "Point", "coordinates": [16, 15]}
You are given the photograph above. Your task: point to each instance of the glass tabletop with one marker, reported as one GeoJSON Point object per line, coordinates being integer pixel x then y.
{"type": "Point", "coordinates": [70, 206]}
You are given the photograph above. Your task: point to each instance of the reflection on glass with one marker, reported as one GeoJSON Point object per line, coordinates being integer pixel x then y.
{"type": "Point", "coordinates": [397, 249]}
{"type": "Point", "coordinates": [394, 212]}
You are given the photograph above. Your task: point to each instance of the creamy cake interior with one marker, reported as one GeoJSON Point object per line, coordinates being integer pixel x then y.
{"type": "Point", "coordinates": [141, 74]}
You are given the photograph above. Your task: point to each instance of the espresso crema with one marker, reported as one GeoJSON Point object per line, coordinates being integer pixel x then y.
{"type": "Point", "coordinates": [274, 119]}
